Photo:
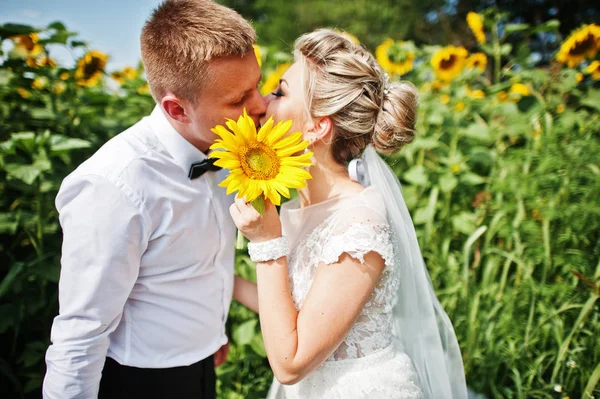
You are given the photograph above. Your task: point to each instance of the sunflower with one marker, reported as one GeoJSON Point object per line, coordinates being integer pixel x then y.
{"type": "Point", "coordinates": [127, 73]}
{"type": "Point", "coordinates": [520, 89]}
{"type": "Point", "coordinates": [477, 60]}
{"type": "Point", "coordinates": [475, 94]}
{"type": "Point", "coordinates": [39, 83]}
{"type": "Point", "coordinates": [396, 58]}
{"type": "Point", "coordinates": [475, 22]}
{"type": "Point", "coordinates": [273, 80]}
{"type": "Point", "coordinates": [23, 92]}
{"type": "Point", "coordinates": [28, 44]}
{"type": "Point", "coordinates": [594, 70]}
{"type": "Point", "coordinates": [449, 62]}
{"type": "Point", "coordinates": [583, 43]}
{"type": "Point", "coordinates": [60, 87]}
{"type": "Point", "coordinates": [257, 53]}
{"type": "Point", "coordinates": [261, 165]}
{"type": "Point", "coordinates": [40, 61]}
{"type": "Point", "coordinates": [90, 68]}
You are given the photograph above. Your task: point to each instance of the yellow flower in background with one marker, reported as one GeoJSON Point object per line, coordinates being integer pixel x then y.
{"type": "Point", "coordinates": [477, 60]}
{"type": "Point", "coordinates": [560, 109]}
{"type": "Point", "coordinates": [579, 77]}
{"type": "Point", "coordinates": [475, 22]}
{"type": "Point", "coordinates": [28, 45]}
{"type": "Point", "coordinates": [475, 94]}
{"type": "Point", "coordinates": [40, 61]}
{"type": "Point", "coordinates": [64, 76]}
{"type": "Point", "coordinates": [60, 87]}
{"type": "Point", "coordinates": [444, 99]}
{"type": "Point", "coordinates": [272, 81]}
{"type": "Point", "coordinates": [582, 44]}
{"type": "Point", "coordinates": [594, 70]}
{"type": "Point", "coordinates": [261, 165]}
{"type": "Point", "coordinates": [520, 89]}
{"type": "Point", "coordinates": [39, 83]}
{"type": "Point", "coordinates": [127, 73]}
{"type": "Point", "coordinates": [257, 53]}
{"type": "Point", "coordinates": [449, 62]}
{"type": "Point", "coordinates": [144, 89]}
{"type": "Point", "coordinates": [90, 68]}
{"type": "Point", "coordinates": [502, 96]}
{"type": "Point", "coordinates": [396, 58]}
{"type": "Point", "coordinates": [436, 84]}
{"type": "Point", "coordinates": [460, 106]}
{"type": "Point", "coordinates": [23, 93]}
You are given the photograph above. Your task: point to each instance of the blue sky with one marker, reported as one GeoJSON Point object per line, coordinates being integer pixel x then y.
{"type": "Point", "coordinates": [111, 26]}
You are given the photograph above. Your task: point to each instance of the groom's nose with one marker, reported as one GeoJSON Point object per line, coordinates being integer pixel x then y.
{"type": "Point", "coordinates": [257, 105]}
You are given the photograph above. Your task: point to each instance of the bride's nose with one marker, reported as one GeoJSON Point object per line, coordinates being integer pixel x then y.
{"type": "Point", "coordinates": [268, 98]}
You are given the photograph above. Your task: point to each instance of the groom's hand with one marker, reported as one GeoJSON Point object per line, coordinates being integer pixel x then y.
{"type": "Point", "coordinates": [220, 356]}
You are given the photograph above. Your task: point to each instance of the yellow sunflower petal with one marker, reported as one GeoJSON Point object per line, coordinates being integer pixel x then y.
{"type": "Point", "coordinates": [290, 140]}
{"type": "Point", "coordinates": [284, 152]}
{"type": "Point", "coordinates": [283, 190]}
{"type": "Point", "coordinates": [295, 172]}
{"type": "Point", "coordinates": [265, 130]}
{"type": "Point", "coordinates": [278, 132]}
{"type": "Point", "coordinates": [291, 182]}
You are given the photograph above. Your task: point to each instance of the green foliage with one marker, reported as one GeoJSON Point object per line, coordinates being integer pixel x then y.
{"type": "Point", "coordinates": [504, 189]}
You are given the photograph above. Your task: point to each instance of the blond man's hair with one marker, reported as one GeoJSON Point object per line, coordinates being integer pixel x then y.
{"type": "Point", "coordinates": [182, 36]}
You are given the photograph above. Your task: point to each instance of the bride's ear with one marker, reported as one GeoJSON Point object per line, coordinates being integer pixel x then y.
{"type": "Point", "coordinates": [321, 129]}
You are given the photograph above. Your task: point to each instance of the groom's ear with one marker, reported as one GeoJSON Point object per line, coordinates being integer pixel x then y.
{"type": "Point", "coordinates": [174, 108]}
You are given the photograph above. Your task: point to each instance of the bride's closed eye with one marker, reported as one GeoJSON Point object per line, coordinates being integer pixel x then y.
{"type": "Point", "coordinates": [278, 92]}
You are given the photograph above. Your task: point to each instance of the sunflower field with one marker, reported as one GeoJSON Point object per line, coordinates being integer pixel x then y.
{"type": "Point", "coordinates": [502, 181]}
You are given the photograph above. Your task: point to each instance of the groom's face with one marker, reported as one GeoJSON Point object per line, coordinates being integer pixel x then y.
{"type": "Point", "coordinates": [232, 86]}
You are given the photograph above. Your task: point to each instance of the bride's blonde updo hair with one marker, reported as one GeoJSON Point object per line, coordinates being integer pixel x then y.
{"type": "Point", "coordinates": [343, 80]}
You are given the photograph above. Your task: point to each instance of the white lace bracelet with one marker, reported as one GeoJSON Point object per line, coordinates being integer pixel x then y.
{"type": "Point", "coordinates": [268, 250]}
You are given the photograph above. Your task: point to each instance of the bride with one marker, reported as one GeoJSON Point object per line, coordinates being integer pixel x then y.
{"type": "Point", "coordinates": [347, 309]}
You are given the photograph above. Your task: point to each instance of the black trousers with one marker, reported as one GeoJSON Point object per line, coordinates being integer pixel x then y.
{"type": "Point", "coordinates": [197, 381]}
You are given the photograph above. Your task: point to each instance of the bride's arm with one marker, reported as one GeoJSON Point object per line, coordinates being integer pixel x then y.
{"type": "Point", "coordinates": [298, 342]}
{"type": "Point", "coordinates": [245, 292]}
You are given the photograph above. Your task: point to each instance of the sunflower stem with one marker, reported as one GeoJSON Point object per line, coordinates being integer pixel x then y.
{"type": "Point", "coordinates": [259, 204]}
{"type": "Point", "coordinates": [240, 241]}
{"type": "Point", "coordinates": [497, 52]}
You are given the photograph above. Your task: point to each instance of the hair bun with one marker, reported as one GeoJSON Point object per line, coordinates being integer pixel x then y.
{"type": "Point", "coordinates": [397, 118]}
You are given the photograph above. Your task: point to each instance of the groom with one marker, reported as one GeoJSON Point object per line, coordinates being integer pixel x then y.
{"type": "Point", "coordinates": [148, 250]}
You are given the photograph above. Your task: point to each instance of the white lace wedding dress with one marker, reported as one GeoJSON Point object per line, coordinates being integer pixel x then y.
{"type": "Point", "coordinates": [366, 364]}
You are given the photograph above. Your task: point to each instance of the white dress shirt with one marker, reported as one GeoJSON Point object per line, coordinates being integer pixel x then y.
{"type": "Point", "coordinates": [147, 260]}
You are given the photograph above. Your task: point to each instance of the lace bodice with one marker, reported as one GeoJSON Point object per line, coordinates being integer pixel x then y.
{"type": "Point", "coordinates": [320, 234]}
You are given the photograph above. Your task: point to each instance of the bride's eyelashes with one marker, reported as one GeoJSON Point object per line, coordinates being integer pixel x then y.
{"type": "Point", "coordinates": [278, 93]}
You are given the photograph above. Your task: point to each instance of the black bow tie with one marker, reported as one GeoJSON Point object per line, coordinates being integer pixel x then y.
{"type": "Point", "coordinates": [199, 168]}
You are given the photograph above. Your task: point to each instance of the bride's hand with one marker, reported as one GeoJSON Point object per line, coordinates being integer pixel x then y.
{"type": "Point", "coordinates": [255, 227]}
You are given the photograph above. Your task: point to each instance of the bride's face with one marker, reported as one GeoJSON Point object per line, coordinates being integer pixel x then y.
{"type": "Point", "coordinates": [287, 101]}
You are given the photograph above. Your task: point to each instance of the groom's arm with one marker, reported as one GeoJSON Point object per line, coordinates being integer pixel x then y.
{"type": "Point", "coordinates": [246, 293]}
{"type": "Point", "coordinates": [104, 239]}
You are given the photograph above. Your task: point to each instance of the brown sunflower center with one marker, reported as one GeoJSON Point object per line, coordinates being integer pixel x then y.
{"type": "Point", "coordinates": [92, 67]}
{"type": "Point", "coordinates": [584, 46]}
{"type": "Point", "coordinates": [28, 42]}
{"type": "Point", "coordinates": [448, 62]}
{"type": "Point", "coordinates": [259, 162]}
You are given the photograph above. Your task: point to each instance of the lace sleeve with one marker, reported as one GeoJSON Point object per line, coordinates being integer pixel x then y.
{"type": "Point", "coordinates": [357, 240]}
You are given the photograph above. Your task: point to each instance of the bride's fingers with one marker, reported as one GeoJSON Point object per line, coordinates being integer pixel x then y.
{"type": "Point", "coordinates": [246, 209]}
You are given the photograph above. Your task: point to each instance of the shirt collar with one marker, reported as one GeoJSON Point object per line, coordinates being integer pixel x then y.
{"type": "Point", "coordinates": [182, 151]}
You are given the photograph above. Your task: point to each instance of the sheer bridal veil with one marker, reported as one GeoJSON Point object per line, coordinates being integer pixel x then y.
{"type": "Point", "coordinates": [422, 329]}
